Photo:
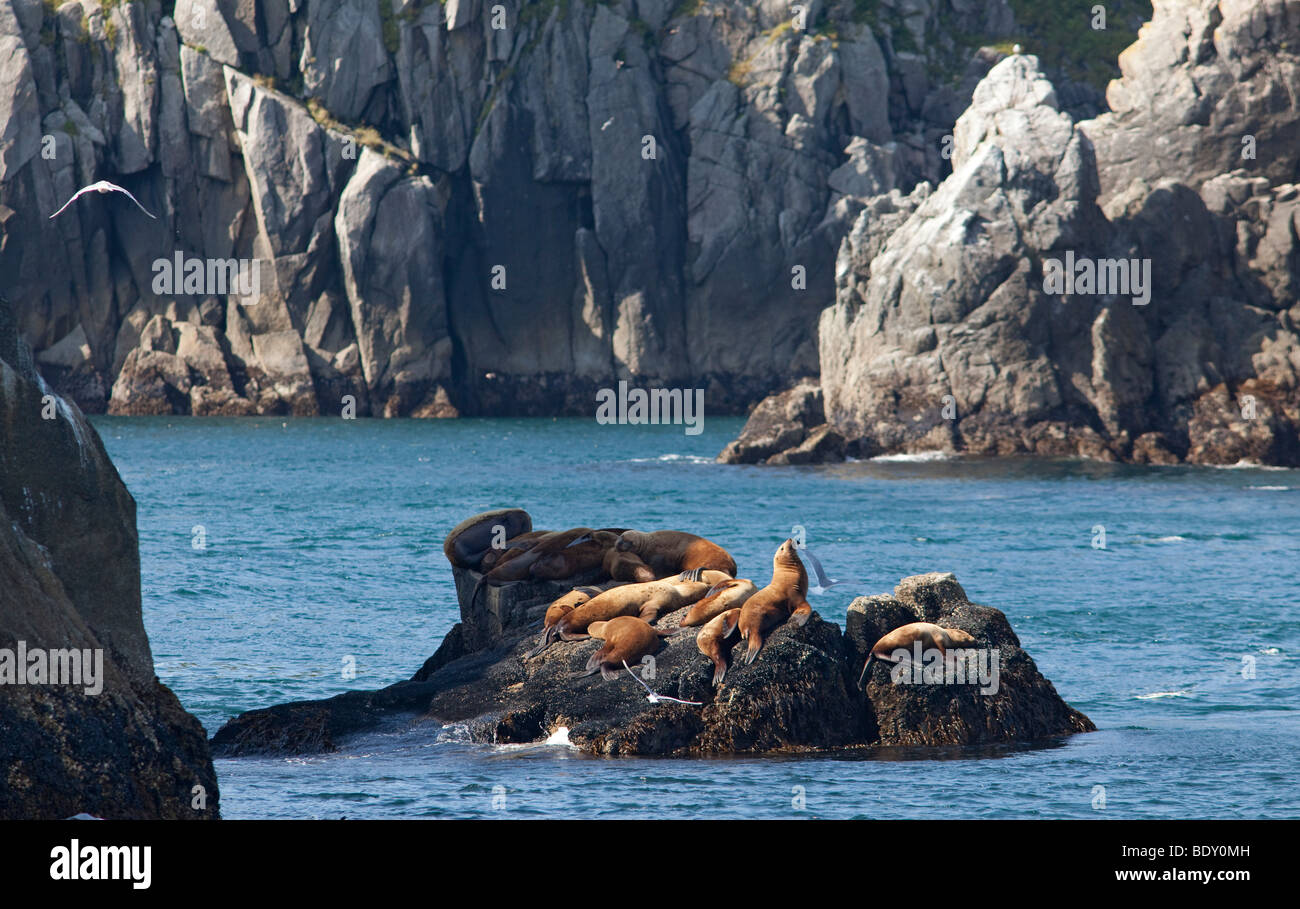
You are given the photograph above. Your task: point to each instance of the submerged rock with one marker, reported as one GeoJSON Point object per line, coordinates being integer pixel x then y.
{"type": "Point", "coordinates": [800, 694]}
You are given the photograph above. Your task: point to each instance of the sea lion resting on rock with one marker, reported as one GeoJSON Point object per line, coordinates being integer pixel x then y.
{"type": "Point", "coordinates": [648, 601]}
{"type": "Point", "coordinates": [729, 594]}
{"type": "Point", "coordinates": [627, 640]}
{"type": "Point", "coordinates": [786, 597]}
{"type": "Point", "coordinates": [514, 547]}
{"type": "Point", "coordinates": [931, 635]}
{"type": "Point", "coordinates": [472, 538]}
{"type": "Point", "coordinates": [669, 552]}
{"type": "Point", "coordinates": [712, 641]}
{"type": "Point", "coordinates": [626, 566]}
{"type": "Point", "coordinates": [558, 610]}
{"type": "Point", "coordinates": [549, 558]}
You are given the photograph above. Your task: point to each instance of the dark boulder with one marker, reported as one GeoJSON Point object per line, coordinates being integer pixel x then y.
{"type": "Point", "coordinates": [70, 580]}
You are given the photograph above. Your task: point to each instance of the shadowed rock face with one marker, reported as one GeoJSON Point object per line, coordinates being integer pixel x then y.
{"type": "Point", "coordinates": [800, 694]}
{"type": "Point", "coordinates": [645, 177]}
{"type": "Point", "coordinates": [70, 576]}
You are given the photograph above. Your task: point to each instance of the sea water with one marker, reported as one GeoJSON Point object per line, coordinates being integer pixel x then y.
{"type": "Point", "coordinates": [281, 556]}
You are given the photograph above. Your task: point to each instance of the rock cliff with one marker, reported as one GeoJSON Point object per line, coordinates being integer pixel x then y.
{"type": "Point", "coordinates": [456, 206]}
{"type": "Point", "coordinates": [952, 331]}
{"type": "Point", "coordinates": [119, 745]}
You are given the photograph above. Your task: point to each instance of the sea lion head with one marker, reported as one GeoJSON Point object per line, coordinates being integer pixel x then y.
{"type": "Point", "coordinates": [956, 636]}
{"type": "Point", "coordinates": [786, 554]}
{"type": "Point", "coordinates": [629, 541]}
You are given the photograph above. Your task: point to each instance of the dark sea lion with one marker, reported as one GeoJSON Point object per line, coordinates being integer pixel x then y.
{"type": "Point", "coordinates": [930, 635]}
{"type": "Point", "coordinates": [729, 594]}
{"type": "Point", "coordinates": [626, 566]}
{"type": "Point", "coordinates": [785, 598]}
{"type": "Point", "coordinates": [712, 641]}
{"type": "Point", "coordinates": [515, 546]}
{"type": "Point", "coordinates": [578, 557]}
{"type": "Point", "coordinates": [469, 540]}
{"type": "Point", "coordinates": [627, 640]}
{"type": "Point", "coordinates": [668, 552]}
{"type": "Point", "coordinates": [519, 568]}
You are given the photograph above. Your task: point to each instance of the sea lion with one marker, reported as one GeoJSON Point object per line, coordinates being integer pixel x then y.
{"type": "Point", "coordinates": [712, 641]}
{"type": "Point", "coordinates": [786, 597]}
{"type": "Point", "coordinates": [473, 537]}
{"type": "Point", "coordinates": [514, 547]}
{"type": "Point", "coordinates": [929, 634]}
{"type": "Point", "coordinates": [626, 566]}
{"type": "Point", "coordinates": [580, 556]}
{"type": "Point", "coordinates": [729, 594]}
{"type": "Point", "coordinates": [647, 601]}
{"type": "Point", "coordinates": [561, 607]}
{"type": "Point", "coordinates": [520, 567]}
{"type": "Point", "coordinates": [668, 552]}
{"type": "Point", "coordinates": [627, 639]}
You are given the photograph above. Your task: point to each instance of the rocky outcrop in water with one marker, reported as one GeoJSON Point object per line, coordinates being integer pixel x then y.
{"type": "Point", "coordinates": [119, 745]}
{"type": "Point", "coordinates": [954, 334]}
{"type": "Point", "coordinates": [800, 694]}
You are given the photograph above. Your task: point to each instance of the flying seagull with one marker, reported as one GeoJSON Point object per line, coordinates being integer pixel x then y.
{"type": "Point", "coordinates": [103, 186]}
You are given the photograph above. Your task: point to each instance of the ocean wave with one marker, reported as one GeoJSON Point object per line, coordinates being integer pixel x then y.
{"type": "Point", "coordinates": [916, 457]}
{"type": "Point", "coordinates": [687, 458]}
{"type": "Point", "coordinates": [1269, 488]}
{"type": "Point", "coordinates": [1164, 694]}
{"type": "Point", "coordinates": [1243, 464]}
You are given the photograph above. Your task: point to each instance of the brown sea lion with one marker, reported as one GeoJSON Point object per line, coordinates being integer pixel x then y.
{"type": "Point", "coordinates": [627, 639]}
{"type": "Point", "coordinates": [729, 594]}
{"type": "Point", "coordinates": [669, 552]}
{"type": "Point", "coordinates": [930, 635]}
{"type": "Point", "coordinates": [648, 601]}
{"type": "Point", "coordinates": [712, 641]}
{"type": "Point", "coordinates": [561, 607]}
{"type": "Point", "coordinates": [513, 548]}
{"type": "Point", "coordinates": [579, 557]}
{"type": "Point", "coordinates": [786, 597]}
{"type": "Point", "coordinates": [473, 537]}
{"type": "Point", "coordinates": [520, 567]}
{"type": "Point", "coordinates": [626, 566]}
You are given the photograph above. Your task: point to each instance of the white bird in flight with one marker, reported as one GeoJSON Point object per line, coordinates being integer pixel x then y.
{"type": "Point", "coordinates": [103, 186]}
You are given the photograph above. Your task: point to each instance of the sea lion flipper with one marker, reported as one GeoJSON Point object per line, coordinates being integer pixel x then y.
{"type": "Point", "coordinates": [862, 678]}
{"type": "Point", "coordinates": [731, 619]}
{"type": "Point", "coordinates": [719, 673]}
{"type": "Point", "coordinates": [609, 675]}
{"type": "Point", "coordinates": [801, 614]}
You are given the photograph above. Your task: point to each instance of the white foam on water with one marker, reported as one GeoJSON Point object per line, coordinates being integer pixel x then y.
{"type": "Point", "coordinates": [1269, 488]}
{"type": "Point", "coordinates": [916, 457]}
{"type": "Point", "coordinates": [1247, 465]}
{"type": "Point", "coordinates": [686, 458]}
{"type": "Point", "coordinates": [1164, 694]}
{"type": "Point", "coordinates": [559, 737]}
{"type": "Point", "coordinates": [1173, 539]}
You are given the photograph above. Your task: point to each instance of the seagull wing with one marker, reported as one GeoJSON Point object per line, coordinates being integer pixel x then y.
{"type": "Point", "coordinates": [135, 200]}
{"type": "Point", "coordinates": [75, 196]}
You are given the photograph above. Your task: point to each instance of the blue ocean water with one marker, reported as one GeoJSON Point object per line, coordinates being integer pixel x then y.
{"type": "Point", "coordinates": [321, 541]}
